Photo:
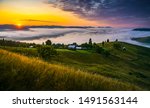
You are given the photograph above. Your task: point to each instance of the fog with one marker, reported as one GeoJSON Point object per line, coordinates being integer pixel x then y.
{"type": "Point", "coordinates": [78, 35]}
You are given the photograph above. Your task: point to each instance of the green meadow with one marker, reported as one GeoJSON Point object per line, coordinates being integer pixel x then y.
{"type": "Point", "coordinates": [23, 69]}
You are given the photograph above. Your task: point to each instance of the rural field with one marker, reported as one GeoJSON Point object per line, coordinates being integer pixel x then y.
{"type": "Point", "coordinates": [24, 69]}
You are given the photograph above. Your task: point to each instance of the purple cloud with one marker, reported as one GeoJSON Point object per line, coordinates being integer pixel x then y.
{"type": "Point", "coordinates": [122, 12]}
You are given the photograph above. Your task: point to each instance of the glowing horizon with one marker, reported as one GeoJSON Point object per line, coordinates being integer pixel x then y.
{"type": "Point", "coordinates": [25, 13]}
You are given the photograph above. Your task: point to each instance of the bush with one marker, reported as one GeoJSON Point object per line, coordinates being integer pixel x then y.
{"type": "Point", "coordinates": [87, 46]}
{"type": "Point", "coordinates": [102, 51]}
{"type": "Point", "coordinates": [46, 52]}
{"type": "Point", "coordinates": [117, 46]}
{"type": "Point", "coordinates": [106, 53]}
{"type": "Point", "coordinates": [99, 49]}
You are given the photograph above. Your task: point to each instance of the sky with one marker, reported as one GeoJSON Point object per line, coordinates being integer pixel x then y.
{"type": "Point", "coordinates": [115, 13]}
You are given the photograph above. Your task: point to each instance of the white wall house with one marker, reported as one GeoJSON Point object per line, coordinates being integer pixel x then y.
{"type": "Point", "coordinates": [75, 47]}
{"type": "Point", "coordinates": [72, 47]}
{"type": "Point", "coordinates": [30, 46]}
{"type": "Point", "coordinates": [79, 48]}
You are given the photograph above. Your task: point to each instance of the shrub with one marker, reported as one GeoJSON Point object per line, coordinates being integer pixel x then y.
{"type": "Point", "coordinates": [117, 46]}
{"type": "Point", "coordinates": [106, 53]}
{"type": "Point", "coordinates": [86, 45]}
{"type": "Point", "coordinates": [102, 51]}
{"type": "Point", "coordinates": [99, 49]}
{"type": "Point", "coordinates": [46, 52]}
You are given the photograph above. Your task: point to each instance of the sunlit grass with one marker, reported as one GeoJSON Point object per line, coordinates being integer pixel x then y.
{"type": "Point", "coordinates": [22, 73]}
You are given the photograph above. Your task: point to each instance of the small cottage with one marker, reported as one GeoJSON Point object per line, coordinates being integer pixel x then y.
{"type": "Point", "coordinates": [79, 48]}
{"type": "Point", "coordinates": [71, 46]}
{"type": "Point", "coordinates": [31, 46]}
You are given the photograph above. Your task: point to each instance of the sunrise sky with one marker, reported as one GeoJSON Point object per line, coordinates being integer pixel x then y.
{"type": "Point", "coordinates": [116, 13]}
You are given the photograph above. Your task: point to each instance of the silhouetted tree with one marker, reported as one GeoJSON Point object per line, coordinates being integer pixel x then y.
{"type": "Point", "coordinates": [48, 42]}
{"type": "Point", "coordinates": [90, 41]}
{"type": "Point", "coordinates": [107, 40]}
{"type": "Point", "coordinates": [75, 44]}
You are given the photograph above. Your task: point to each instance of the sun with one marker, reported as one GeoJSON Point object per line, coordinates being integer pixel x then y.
{"type": "Point", "coordinates": [19, 25]}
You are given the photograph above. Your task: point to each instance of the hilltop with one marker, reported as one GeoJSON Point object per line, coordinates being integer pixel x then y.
{"type": "Point", "coordinates": [141, 29]}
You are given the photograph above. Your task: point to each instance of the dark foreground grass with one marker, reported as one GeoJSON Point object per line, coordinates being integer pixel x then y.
{"type": "Point", "coordinates": [18, 72]}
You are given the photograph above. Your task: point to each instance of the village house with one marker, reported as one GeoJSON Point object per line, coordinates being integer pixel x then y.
{"type": "Point", "coordinates": [74, 47]}
{"type": "Point", "coordinates": [71, 46]}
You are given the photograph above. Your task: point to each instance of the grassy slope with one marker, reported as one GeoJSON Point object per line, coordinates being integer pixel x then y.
{"type": "Point", "coordinates": [130, 66]}
{"type": "Point", "coordinates": [18, 72]}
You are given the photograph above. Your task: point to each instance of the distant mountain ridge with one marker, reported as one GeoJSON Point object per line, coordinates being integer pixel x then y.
{"type": "Point", "coordinates": [141, 29]}
{"type": "Point", "coordinates": [13, 27]}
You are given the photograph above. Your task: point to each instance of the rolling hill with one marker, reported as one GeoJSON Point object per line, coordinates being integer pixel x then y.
{"type": "Point", "coordinates": [76, 70]}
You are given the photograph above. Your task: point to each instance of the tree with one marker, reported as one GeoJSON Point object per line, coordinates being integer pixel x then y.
{"type": "Point", "coordinates": [107, 40]}
{"type": "Point", "coordinates": [90, 41]}
{"type": "Point", "coordinates": [86, 45]}
{"type": "Point", "coordinates": [46, 52]}
{"type": "Point", "coordinates": [48, 42]}
{"type": "Point", "coordinates": [103, 43]}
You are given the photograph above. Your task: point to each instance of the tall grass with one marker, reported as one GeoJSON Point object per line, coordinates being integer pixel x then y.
{"type": "Point", "coordinates": [18, 72]}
